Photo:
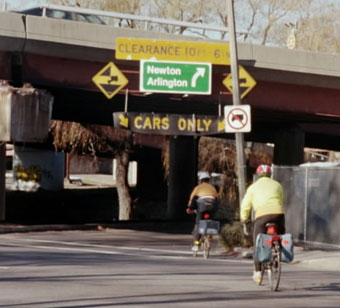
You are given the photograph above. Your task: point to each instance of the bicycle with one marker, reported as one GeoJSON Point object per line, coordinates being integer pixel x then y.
{"type": "Point", "coordinates": [273, 266]}
{"type": "Point", "coordinates": [205, 244]}
{"type": "Point", "coordinates": [206, 228]}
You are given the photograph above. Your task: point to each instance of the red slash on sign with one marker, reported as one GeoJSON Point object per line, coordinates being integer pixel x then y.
{"type": "Point", "coordinates": [237, 119]}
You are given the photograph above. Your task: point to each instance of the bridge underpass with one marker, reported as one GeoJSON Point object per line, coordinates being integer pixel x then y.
{"type": "Point", "coordinates": [294, 104]}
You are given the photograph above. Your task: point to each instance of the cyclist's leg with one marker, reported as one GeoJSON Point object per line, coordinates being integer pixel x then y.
{"type": "Point", "coordinates": [281, 224]}
{"type": "Point", "coordinates": [195, 233]}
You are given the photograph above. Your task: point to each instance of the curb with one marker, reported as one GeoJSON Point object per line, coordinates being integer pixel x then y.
{"type": "Point", "coordinates": [37, 228]}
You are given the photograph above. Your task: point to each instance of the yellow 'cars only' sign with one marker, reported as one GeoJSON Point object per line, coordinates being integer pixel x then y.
{"type": "Point", "coordinates": [174, 124]}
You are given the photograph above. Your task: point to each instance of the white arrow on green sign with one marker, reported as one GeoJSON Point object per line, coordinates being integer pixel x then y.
{"type": "Point", "coordinates": [175, 77]}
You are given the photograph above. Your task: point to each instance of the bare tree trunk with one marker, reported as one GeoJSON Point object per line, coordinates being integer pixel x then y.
{"type": "Point", "coordinates": [124, 198]}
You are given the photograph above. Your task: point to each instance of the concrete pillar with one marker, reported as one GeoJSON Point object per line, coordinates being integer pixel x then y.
{"type": "Point", "coordinates": [289, 147]}
{"type": "Point", "coordinates": [2, 180]}
{"type": "Point", "coordinates": [48, 164]}
{"type": "Point", "coordinates": [151, 183]}
{"type": "Point", "coordinates": [182, 174]}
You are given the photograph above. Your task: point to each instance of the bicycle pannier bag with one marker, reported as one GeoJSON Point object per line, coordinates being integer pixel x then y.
{"type": "Point", "coordinates": [263, 247]}
{"type": "Point", "coordinates": [208, 226]}
{"type": "Point", "coordinates": [287, 248]}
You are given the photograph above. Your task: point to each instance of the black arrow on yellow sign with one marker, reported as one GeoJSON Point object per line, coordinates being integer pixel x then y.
{"type": "Point", "coordinates": [110, 80]}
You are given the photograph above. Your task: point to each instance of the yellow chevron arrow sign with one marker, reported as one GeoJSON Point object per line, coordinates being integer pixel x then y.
{"type": "Point", "coordinates": [221, 126]}
{"type": "Point", "coordinates": [123, 120]}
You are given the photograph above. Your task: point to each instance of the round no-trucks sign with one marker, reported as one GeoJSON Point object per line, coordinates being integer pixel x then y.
{"type": "Point", "coordinates": [237, 119]}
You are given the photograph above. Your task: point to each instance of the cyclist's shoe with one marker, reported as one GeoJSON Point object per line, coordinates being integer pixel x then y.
{"type": "Point", "coordinates": [257, 276]}
{"type": "Point", "coordinates": [196, 245]}
{"type": "Point", "coordinates": [194, 248]}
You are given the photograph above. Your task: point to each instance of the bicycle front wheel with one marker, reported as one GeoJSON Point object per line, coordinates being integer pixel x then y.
{"type": "Point", "coordinates": [206, 247]}
{"type": "Point", "coordinates": [274, 272]}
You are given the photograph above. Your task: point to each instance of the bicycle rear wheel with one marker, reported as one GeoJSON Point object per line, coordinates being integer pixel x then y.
{"type": "Point", "coordinates": [206, 247]}
{"type": "Point", "coordinates": [274, 272]}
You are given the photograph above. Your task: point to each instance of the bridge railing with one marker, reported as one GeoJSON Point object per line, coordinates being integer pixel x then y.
{"type": "Point", "coordinates": [137, 18]}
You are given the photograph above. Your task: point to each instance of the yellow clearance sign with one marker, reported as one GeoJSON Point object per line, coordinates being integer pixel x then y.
{"type": "Point", "coordinates": [163, 124]}
{"type": "Point", "coordinates": [145, 49]}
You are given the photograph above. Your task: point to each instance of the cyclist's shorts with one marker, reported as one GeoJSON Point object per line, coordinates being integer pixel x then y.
{"type": "Point", "coordinates": [206, 204]}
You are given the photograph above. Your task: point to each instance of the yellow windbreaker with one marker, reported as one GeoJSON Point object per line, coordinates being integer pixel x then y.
{"type": "Point", "coordinates": [203, 189]}
{"type": "Point", "coordinates": [265, 196]}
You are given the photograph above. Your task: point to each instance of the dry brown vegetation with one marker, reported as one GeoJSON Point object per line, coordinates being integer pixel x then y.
{"type": "Point", "coordinates": [89, 139]}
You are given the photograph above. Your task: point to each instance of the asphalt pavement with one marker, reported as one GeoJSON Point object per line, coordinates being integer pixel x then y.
{"type": "Point", "coordinates": [316, 258]}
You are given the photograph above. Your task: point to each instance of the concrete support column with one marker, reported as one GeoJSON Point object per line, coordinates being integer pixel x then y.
{"type": "Point", "coordinates": [182, 174]}
{"type": "Point", "coordinates": [289, 147]}
{"type": "Point", "coordinates": [151, 184]}
{"type": "Point", "coordinates": [2, 180]}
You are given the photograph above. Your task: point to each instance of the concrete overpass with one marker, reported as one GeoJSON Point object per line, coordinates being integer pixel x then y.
{"type": "Point", "coordinates": [295, 90]}
{"type": "Point", "coordinates": [294, 105]}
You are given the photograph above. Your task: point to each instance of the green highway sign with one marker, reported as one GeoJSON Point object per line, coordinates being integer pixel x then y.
{"type": "Point", "coordinates": [175, 77]}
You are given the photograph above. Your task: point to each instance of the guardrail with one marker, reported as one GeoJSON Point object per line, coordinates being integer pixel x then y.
{"type": "Point", "coordinates": [122, 16]}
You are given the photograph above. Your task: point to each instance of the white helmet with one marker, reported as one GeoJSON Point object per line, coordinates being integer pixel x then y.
{"type": "Point", "coordinates": [203, 175]}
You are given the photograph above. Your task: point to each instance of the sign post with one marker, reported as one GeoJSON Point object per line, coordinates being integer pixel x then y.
{"type": "Point", "coordinates": [239, 140]}
{"type": "Point", "coordinates": [175, 77]}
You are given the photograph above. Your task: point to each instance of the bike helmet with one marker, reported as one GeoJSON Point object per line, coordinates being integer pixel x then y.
{"type": "Point", "coordinates": [263, 170]}
{"type": "Point", "coordinates": [203, 175]}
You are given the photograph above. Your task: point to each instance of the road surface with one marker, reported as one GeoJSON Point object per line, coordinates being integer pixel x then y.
{"type": "Point", "coordinates": [129, 268]}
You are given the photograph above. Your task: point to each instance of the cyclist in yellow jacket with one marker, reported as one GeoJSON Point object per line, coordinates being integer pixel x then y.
{"type": "Point", "coordinates": [265, 196]}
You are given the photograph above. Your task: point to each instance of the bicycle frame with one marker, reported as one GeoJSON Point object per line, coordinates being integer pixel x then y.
{"type": "Point", "coordinates": [205, 241]}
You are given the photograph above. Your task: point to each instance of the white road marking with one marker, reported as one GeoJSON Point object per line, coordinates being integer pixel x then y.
{"type": "Point", "coordinates": [91, 250]}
